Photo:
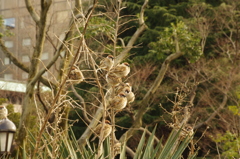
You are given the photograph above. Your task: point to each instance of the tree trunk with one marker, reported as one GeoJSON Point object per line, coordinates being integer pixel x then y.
{"type": "Point", "coordinates": [28, 107]}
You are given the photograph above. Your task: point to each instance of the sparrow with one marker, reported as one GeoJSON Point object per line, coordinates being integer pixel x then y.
{"type": "Point", "coordinates": [187, 131]}
{"type": "Point", "coordinates": [107, 63]}
{"type": "Point", "coordinates": [118, 102]}
{"type": "Point", "coordinates": [129, 86]}
{"type": "Point", "coordinates": [130, 95]}
{"type": "Point", "coordinates": [117, 148]}
{"type": "Point", "coordinates": [3, 112]}
{"type": "Point", "coordinates": [121, 87]}
{"type": "Point", "coordinates": [107, 129]}
{"type": "Point", "coordinates": [112, 79]}
{"type": "Point", "coordinates": [115, 90]}
{"type": "Point", "coordinates": [75, 75]}
{"type": "Point", "coordinates": [121, 70]}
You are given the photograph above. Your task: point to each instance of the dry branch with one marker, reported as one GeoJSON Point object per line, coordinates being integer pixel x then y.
{"type": "Point", "coordinates": [12, 57]}
{"type": "Point", "coordinates": [32, 11]}
{"type": "Point", "coordinates": [83, 139]}
{"type": "Point", "coordinates": [28, 102]}
{"type": "Point", "coordinates": [222, 105]}
{"type": "Point", "coordinates": [82, 103]}
{"type": "Point", "coordinates": [145, 101]}
{"type": "Point", "coordinates": [138, 32]}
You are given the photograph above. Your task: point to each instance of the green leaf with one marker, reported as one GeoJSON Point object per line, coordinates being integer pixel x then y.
{"type": "Point", "coordinates": [149, 147]}
{"type": "Point", "coordinates": [234, 110]}
{"type": "Point", "coordinates": [182, 147]}
{"type": "Point", "coordinates": [170, 144]}
{"type": "Point", "coordinates": [122, 154]}
{"type": "Point", "coordinates": [140, 146]}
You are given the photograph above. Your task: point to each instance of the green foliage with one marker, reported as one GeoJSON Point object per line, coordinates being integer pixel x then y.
{"type": "Point", "coordinates": [158, 15]}
{"type": "Point", "coordinates": [99, 26]}
{"type": "Point", "coordinates": [66, 146]}
{"type": "Point", "coordinates": [171, 149]}
{"type": "Point", "coordinates": [4, 32]}
{"type": "Point", "coordinates": [235, 110]}
{"type": "Point", "coordinates": [3, 100]}
{"type": "Point", "coordinates": [229, 144]}
{"type": "Point", "coordinates": [14, 117]}
{"type": "Point", "coordinates": [188, 43]}
{"type": "Point", "coordinates": [147, 147]}
{"type": "Point", "coordinates": [166, 15]}
{"type": "Point", "coordinates": [100, 30]}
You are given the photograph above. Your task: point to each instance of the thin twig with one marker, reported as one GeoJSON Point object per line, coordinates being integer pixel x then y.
{"type": "Point", "coordinates": [83, 104]}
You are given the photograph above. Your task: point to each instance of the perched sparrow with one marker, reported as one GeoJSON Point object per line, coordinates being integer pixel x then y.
{"type": "Point", "coordinates": [130, 95]}
{"type": "Point", "coordinates": [122, 87]}
{"type": "Point", "coordinates": [117, 148]}
{"type": "Point", "coordinates": [112, 79]}
{"type": "Point", "coordinates": [118, 102]}
{"type": "Point", "coordinates": [121, 70]}
{"type": "Point", "coordinates": [187, 131]}
{"type": "Point", "coordinates": [75, 75]}
{"type": "Point", "coordinates": [129, 86]}
{"type": "Point", "coordinates": [3, 112]}
{"type": "Point", "coordinates": [107, 63]}
{"type": "Point", "coordinates": [107, 129]}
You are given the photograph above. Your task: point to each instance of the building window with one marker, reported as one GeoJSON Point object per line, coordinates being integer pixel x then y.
{"type": "Point", "coordinates": [44, 56]}
{"type": "Point", "coordinates": [25, 58]}
{"type": "Point", "coordinates": [24, 75]}
{"type": "Point", "coordinates": [9, 23]}
{"type": "Point", "coordinates": [8, 44]}
{"type": "Point", "coordinates": [6, 61]}
{"type": "Point", "coordinates": [26, 42]}
{"type": "Point", "coordinates": [8, 76]}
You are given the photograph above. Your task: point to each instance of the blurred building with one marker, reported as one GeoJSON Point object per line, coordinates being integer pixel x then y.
{"type": "Point", "coordinates": [22, 31]}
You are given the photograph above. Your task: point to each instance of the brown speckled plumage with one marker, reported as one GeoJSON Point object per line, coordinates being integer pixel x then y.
{"type": "Point", "coordinates": [121, 70]}
{"type": "Point", "coordinates": [118, 102]}
{"type": "Point", "coordinates": [107, 63]}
